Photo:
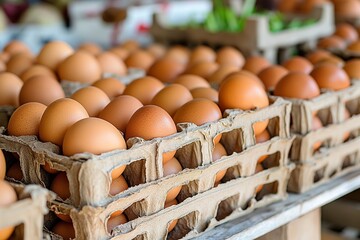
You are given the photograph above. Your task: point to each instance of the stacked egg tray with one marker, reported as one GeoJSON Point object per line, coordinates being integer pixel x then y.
{"type": "Point", "coordinates": [336, 155]}
{"type": "Point", "coordinates": [256, 36]}
{"type": "Point", "coordinates": [90, 176]}
{"type": "Point", "coordinates": [27, 214]}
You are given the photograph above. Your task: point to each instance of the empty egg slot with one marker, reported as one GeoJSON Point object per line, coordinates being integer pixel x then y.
{"type": "Point", "coordinates": [190, 155]}
{"type": "Point", "coordinates": [232, 173]}
{"type": "Point", "coordinates": [270, 160]}
{"type": "Point", "coordinates": [184, 226]}
{"type": "Point", "coordinates": [319, 174]}
{"type": "Point", "coordinates": [141, 237]}
{"type": "Point", "coordinates": [353, 106]}
{"type": "Point", "coordinates": [263, 190]}
{"type": "Point", "coordinates": [233, 141]}
{"type": "Point", "coordinates": [325, 116]}
{"type": "Point", "coordinates": [136, 210]}
{"type": "Point", "coordinates": [188, 190]}
{"type": "Point", "coordinates": [226, 207]}
{"type": "Point", "coordinates": [135, 173]}
{"type": "Point", "coordinates": [349, 160]}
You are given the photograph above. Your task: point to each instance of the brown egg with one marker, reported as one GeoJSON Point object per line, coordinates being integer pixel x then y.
{"type": "Point", "coordinates": [119, 111]}
{"type": "Point", "coordinates": [203, 69]}
{"type": "Point", "coordinates": [15, 171]}
{"type": "Point", "coordinates": [260, 138]}
{"type": "Point", "coordinates": [117, 172]}
{"type": "Point", "coordinates": [140, 59]}
{"type": "Point", "coordinates": [202, 54]}
{"type": "Point", "coordinates": [36, 70]}
{"type": "Point", "coordinates": [205, 92]}
{"type": "Point", "coordinates": [191, 81]}
{"type": "Point", "coordinates": [331, 60]}
{"type": "Point", "coordinates": [172, 97]}
{"type": "Point", "coordinates": [64, 217]}
{"type": "Point", "coordinates": [18, 63]}
{"type": "Point", "coordinates": [4, 57]}
{"type": "Point", "coordinates": [298, 64]}
{"type": "Point", "coordinates": [7, 197]}
{"type": "Point", "coordinates": [352, 68]}
{"type": "Point", "coordinates": [80, 67]}
{"type": "Point", "coordinates": [332, 42]}
{"type": "Point", "coordinates": [297, 85]}
{"type": "Point", "coordinates": [2, 67]}
{"type": "Point", "coordinates": [112, 87]}
{"type": "Point", "coordinates": [151, 122]}
{"type": "Point", "coordinates": [92, 99]}
{"type": "Point", "coordinates": [92, 48]}
{"type": "Point", "coordinates": [288, 6]}
{"type": "Point", "coordinates": [110, 63]}
{"type": "Point", "coordinates": [53, 53]}
{"type": "Point", "coordinates": [93, 135]}
{"type": "Point", "coordinates": [64, 229]}
{"type": "Point", "coordinates": [122, 53]}
{"type": "Point", "coordinates": [166, 69]}
{"type": "Point", "coordinates": [173, 222]}
{"type": "Point", "coordinates": [144, 89]}
{"type": "Point", "coordinates": [130, 45]}
{"type": "Point", "coordinates": [221, 73]}
{"type": "Point", "coordinates": [178, 53]}
{"type": "Point", "coordinates": [243, 91]}
{"type": "Point", "coordinates": [10, 86]}
{"type": "Point", "coordinates": [58, 117]}
{"type": "Point", "coordinates": [354, 47]}
{"type": "Point", "coordinates": [346, 32]}
{"type": "Point", "coordinates": [42, 89]}
{"type": "Point", "coordinates": [317, 55]}
{"type": "Point", "coordinates": [218, 152]}
{"type": "Point", "coordinates": [26, 119]}
{"type": "Point", "coordinates": [156, 50]}
{"type": "Point", "coordinates": [230, 56]}
{"type": "Point", "coordinates": [2, 165]}
{"type": "Point", "coordinates": [347, 9]}
{"type": "Point", "coordinates": [330, 76]}
{"type": "Point", "coordinates": [118, 185]}
{"type": "Point", "coordinates": [48, 169]}
{"type": "Point", "coordinates": [316, 124]}
{"type": "Point", "coordinates": [172, 167]}
{"type": "Point", "coordinates": [255, 64]}
{"type": "Point", "coordinates": [60, 186]}
{"type": "Point", "coordinates": [116, 221]}
{"type": "Point", "coordinates": [270, 76]}
{"type": "Point", "coordinates": [15, 47]}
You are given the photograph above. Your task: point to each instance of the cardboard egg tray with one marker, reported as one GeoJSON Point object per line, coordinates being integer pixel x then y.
{"type": "Point", "coordinates": [256, 36]}
{"type": "Point", "coordinates": [90, 175]}
{"type": "Point", "coordinates": [334, 158]}
{"type": "Point", "coordinates": [5, 114]}
{"type": "Point", "coordinates": [71, 87]}
{"type": "Point", "coordinates": [201, 206]}
{"type": "Point", "coordinates": [27, 214]}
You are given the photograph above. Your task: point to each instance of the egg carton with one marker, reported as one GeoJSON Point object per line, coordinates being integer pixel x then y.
{"type": "Point", "coordinates": [335, 157]}
{"type": "Point", "coordinates": [5, 114]}
{"type": "Point", "coordinates": [70, 87]}
{"type": "Point", "coordinates": [201, 206]}
{"type": "Point", "coordinates": [90, 175]}
{"type": "Point", "coordinates": [256, 36]}
{"type": "Point", "coordinates": [329, 106]}
{"type": "Point", "coordinates": [27, 214]}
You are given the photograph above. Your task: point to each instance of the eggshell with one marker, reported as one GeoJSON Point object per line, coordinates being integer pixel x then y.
{"type": "Point", "coordinates": [111, 86]}
{"type": "Point", "coordinates": [80, 67]}
{"type": "Point", "coordinates": [7, 197]}
{"type": "Point", "coordinates": [42, 89]}
{"type": "Point", "coordinates": [221, 73]}
{"type": "Point", "coordinates": [16, 46]}
{"type": "Point", "coordinates": [354, 47]}
{"type": "Point", "coordinates": [166, 69]}
{"type": "Point", "coordinates": [270, 76]}
{"type": "Point", "coordinates": [110, 63]}
{"type": "Point", "coordinates": [255, 64]}
{"type": "Point", "coordinates": [2, 165]}
{"type": "Point", "coordinates": [122, 53]}
{"type": "Point", "coordinates": [92, 99]}
{"type": "Point", "coordinates": [191, 81]}
{"type": "Point", "coordinates": [352, 68]}
{"type": "Point", "coordinates": [64, 229]}
{"type": "Point", "coordinates": [172, 97]}
{"type": "Point", "coordinates": [25, 120]}
{"type": "Point", "coordinates": [18, 63]}
{"type": "Point", "coordinates": [119, 111]}
{"type": "Point", "coordinates": [203, 69]}
{"type": "Point", "coordinates": [173, 222]}
{"type": "Point", "coordinates": [202, 54]}
{"type": "Point", "coordinates": [151, 122]}
{"type": "Point", "coordinates": [2, 67]}
{"type": "Point", "coordinates": [4, 57]}
{"type": "Point", "coordinates": [64, 217]}
{"type": "Point", "coordinates": [60, 186]}
{"type": "Point", "coordinates": [218, 152]}
{"type": "Point", "coordinates": [172, 167]}
{"type": "Point", "coordinates": [53, 53]}
{"type": "Point", "coordinates": [347, 8]}
{"type": "Point", "coordinates": [10, 86]}
{"type": "Point", "coordinates": [331, 42]}
{"type": "Point", "coordinates": [116, 221]}
{"type": "Point", "coordinates": [130, 45]}
{"type": "Point", "coordinates": [297, 85]}
{"type": "Point", "coordinates": [178, 53]}
{"type": "Point", "coordinates": [331, 60]}
{"type": "Point", "coordinates": [330, 76]}
{"type": "Point", "coordinates": [156, 50]}
{"type": "Point", "coordinates": [144, 89]}
{"type": "Point", "coordinates": [36, 70]}
{"type": "Point", "coordinates": [93, 135]}
{"type": "Point", "coordinates": [140, 59]}
{"type": "Point", "coordinates": [230, 56]}
{"type": "Point", "coordinates": [15, 171]}
{"type": "Point", "coordinates": [298, 64]}
{"type": "Point", "coordinates": [92, 48]}
{"type": "Point", "coordinates": [346, 32]}
{"type": "Point", "coordinates": [58, 117]}
{"type": "Point", "coordinates": [205, 92]}
{"type": "Point", "coordinates": [317, 55]}
{"type": "Point", "coordinates": [118, 185]}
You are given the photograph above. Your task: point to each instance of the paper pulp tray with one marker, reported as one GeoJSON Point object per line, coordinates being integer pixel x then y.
{"type": "Point", "coordinates": [335, 157]}
{"type": "Point", "coordinates": [5, 114]}
{"type": "Point", "coordinates": [256, 36]}
{"type": "Point", "coordinates": [27, 214]}
{"type": "Point", "coordinates": [201, 206]}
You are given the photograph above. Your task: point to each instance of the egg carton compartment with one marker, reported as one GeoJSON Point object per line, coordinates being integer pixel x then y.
{"type": "Point", "coordinates": [256, 36]}
{"type": "Point", "coordinates": [194, 215]}
{"type": "Point", "coordinates": [89, 175]}
{"type": "Point", "coordinates": [27, 213]}
{"type": "Point", "coordinates": [5, 114]}
{"type": "Point", "coordinates": [330, 107]}
{"type": "Point", "coordinates": [330, 162]}
{"type": "Point", "coordinates": [70, 87]}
